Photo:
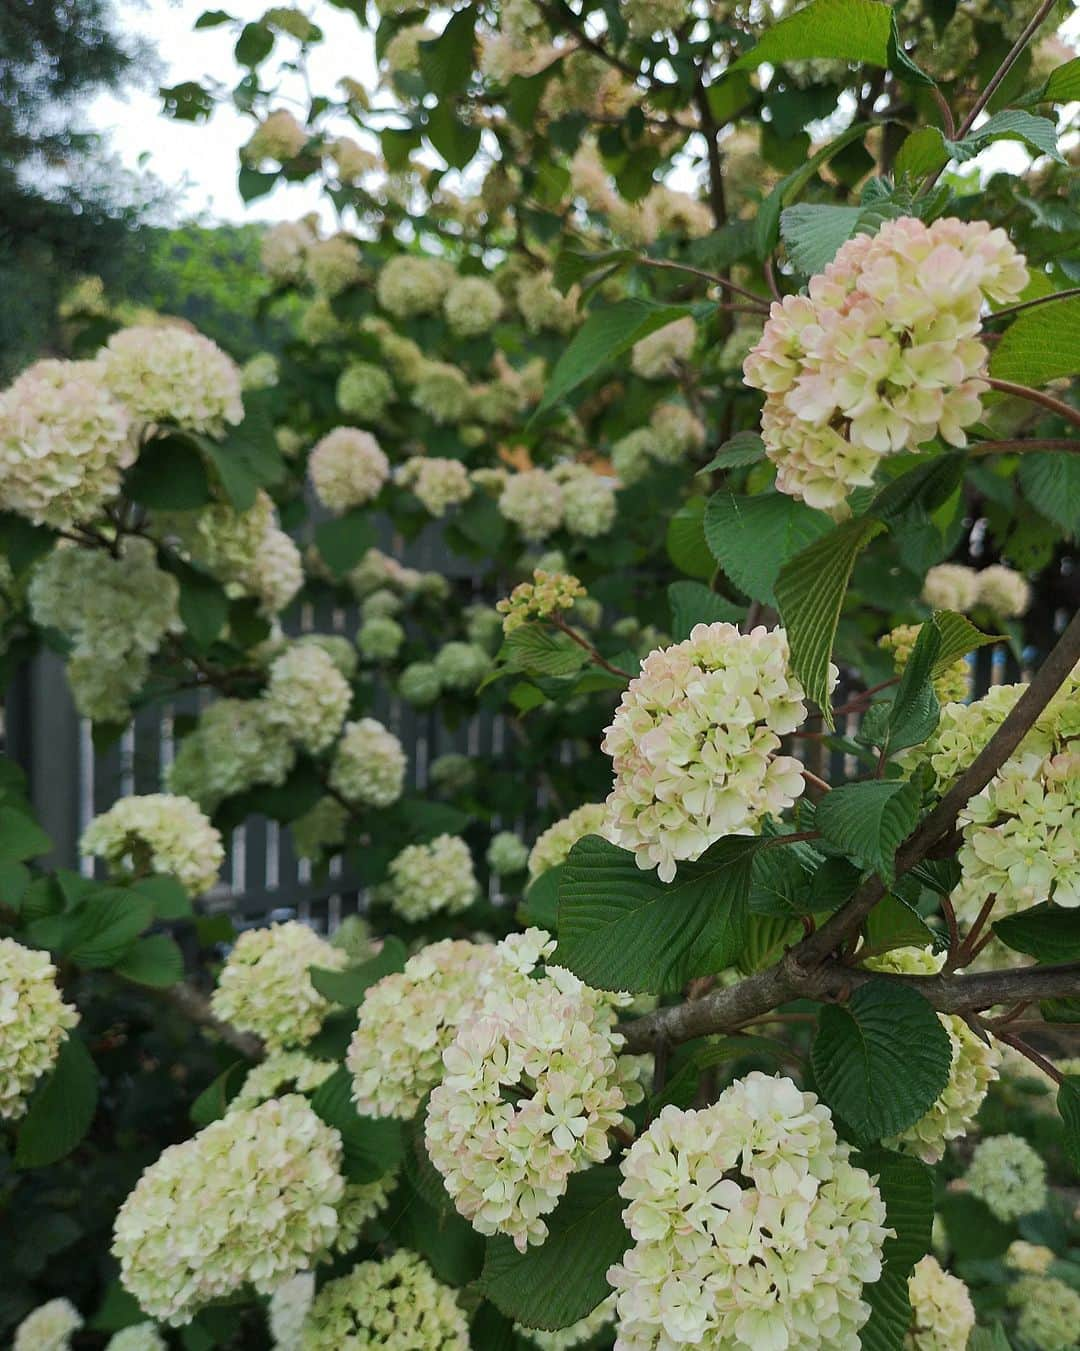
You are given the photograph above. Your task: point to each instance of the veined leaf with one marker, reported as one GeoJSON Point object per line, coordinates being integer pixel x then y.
{"type": "Point", "coordinates": [868, 821]}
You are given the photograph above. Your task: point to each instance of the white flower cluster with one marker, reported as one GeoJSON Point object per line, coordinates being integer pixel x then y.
{"type": "Point", "coordinates": [1049, 1313]}
{"type": "Point", "coordinates": [396, 1303]}
{"type": "Point", "coordinates": [438, 482]}
{"type": "Point", "coordinates": [442, 392]}
{"type": "Point", "coordinates": [472, 307]}
{"type": "Point", "coordinates": [34, 1020]}
{"type": "Point", "coordinates": [577, 1334]}
{"type": "Point", "coordinates": [751, 1227]}
{"type": "Point", "coordinates": [431, 879]}
{"type": "Point", "coordinates": [1021, 838]}
{"type": "Point", "coordinates": [881, 355]}
{"type": "Point", "coordinates": [530, 1090]}
{"type": "Point", "coordinates": [364, 391]}
{"type": "Point", "coordinates": [48, 1328]}
{"type": "Point", "coordinates": [1032, 1259]}
{"type": "Point", "coordinates": [461, 666]}
{"type": "Point", "coordinates": [347, 468]}
{"type": "Point", "coordinates": [942, 1314]}
{"type": "Point", "coordinates": [281, 1071]}
{"type": "Point", "coordinates": [409, 285]}
{"type": "Point", "coordinates": [380, 638]}
{"type": "Point", "coordinates": [409, 1018]}
{"type": "Point", "coordinates": [952, 586]}
{"type": "Point", "coordinates": [279, 136]}
{"type": "Point", "coordinates": [166, 373]}
{"type": "Point", "coordinates": [369, 764]}
{"type": "Point", "coordinates": [138, 1337]}
{"type": "Point", "coordinates": [1003, 591]}
{"type": "Point", "coordinates": [64, 443]}
{"type": "Point", "coordinates": [115, 611]}
{"type": "Point", "coordinates": [288, 1308]}
{"type": "Point", "coordinates": [973, 1069]}
{"type": "Point", "coordinates": [160, 833]}
{"type": "Point", "coordinates": [694, 740]}
{"type": "Point", "coordinates": [308, 696]}
{"type": "Point", "coordinates": [588, 500]}
{"type": "Point", "coordinates": [333, 264]}
{"type": "Point", "coordinates": [252, 1199]}
{"type": "Point", "coordinates": [507, 854]}
{"type": "Point", "coordinates": [1008, 1176]}
{"type": "Point", "coordinates": [265, 986]}
{"type": "Point", "coordinates": [951, 686]}
{"type": "Point", "coordinates": [533, 501]}
{"type": "Point", "coordinates": [320, 830]}
{"type": "Point", "coordinates": [543, 305]}
{"type": "Point", "coordinates": [237, 744]}
{"type": "Point", "coordinates": [659, 356]}
{"type": "Point", "coordinates": [283, 250]}
{"type": "Point", "coordinates": [553, 846]}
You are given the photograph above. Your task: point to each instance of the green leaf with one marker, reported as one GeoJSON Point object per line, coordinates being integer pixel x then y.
{"type": "Point", "coordinates": [1035, 349]}
{"type": "Point", "coordinates": [61, 1109]}
{"type": "Point", "coordinates": [973, 1230]}
{"type": "Point", "coordinates": [541, 903]}
{"type": "Point", "coordinates": [213, 1101]}
{"type": "Point", "coordinates": [959, 636]}
{"type": "Point", "coordinates": [247, 459]}
{"type": "Point", "coordinates": [890, 1313]}
{"type": "Point", "coordinates": [841, 30]}
{"type": "Point", "coordinates": [170, 900]}
{"type": "Point", "coordinates": [742, 449]}
{"type": "Point", "coordinates": [621, 928]}
{"type": "Point", "coordinates": [1051, 483]}
{"type": "Point", "coordinates": [894, 924]}
{"type": "Point", "coordinates": [14, 881]}
{"type": "Point", "coordinates": [349, 987]}
{"type": "Point", "coordinates": [455, 141]}
{"type": "Point", "coordinates": [204, 606]}
{"type": "Point", "coordinates": [447, 61]}
{"type": "Point", "coordinates": [450, 1245]}
{"type": "Point", "coordinates": [252, 183]}
{"type": "Point", "coordinates": [1039, 134]}
{"type": "Point", "coordinates": [923, 152]}
{"type": "Point", "coordinates": [810, 591]}
{"type": "Point", "coordinates": [685, 540]}
{"type": "Point", "coordinates": [781, 883]}
{"type": "Point", "coordinates": [538, 650]}
{"type": "Point", "coordinates": [1048, 933]}
{"type": "Point", "coordinates": [907, 1188]}
{"type": "Point", "coordinates": [812, 233]}
{"type": "Point", "coordinates": [342, 542]}
{"type": "Point", "coordinates": [255, 43]}
{"type": "Point", "coordinates": [882, 1060]}
{"type": "Point", "coordinates": [752, 537]}
{"type": "Point", "coordinates": [606, 334]}
{"type": "Point", "coordinates": [575, 267]}
{"type": "Point", "coordinates": [155, 961]}
{"type": "Point", "coordinates": [915, 710]}
{"type": "Point", "coordinates": [169, 475]}
{"type": "Point", "coordinates": [991, 1338]}
{"type": "Point", "coordinates": [106, 925]}
{"type": "Point", "coordinates": [694, 603]}
{"type": "Point", "coordinates": [212, 18]}
{"type": "Point", "coordinates": [373, 1147]}
{"type": "Point", "coordinates": [20, 837]}
{"type": "Point", "coordinates": [1068, 1103]}
{"type": "Point", "coordinates": [565, 1278]}
{"type": "Point", "coordinates": [1063, 86]}
{"type": "Point", "coordinates": [868, 821]}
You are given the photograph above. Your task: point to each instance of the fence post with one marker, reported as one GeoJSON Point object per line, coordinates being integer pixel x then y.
{"type": "Point", "coordinates": [43, 737]}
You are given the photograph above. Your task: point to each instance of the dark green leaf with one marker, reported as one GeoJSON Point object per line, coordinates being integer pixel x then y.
{"type": "Point", "coordinates": [694, 603]}
{"type": "Point", "coordinates": [169, 475]}
{"type": "Point", "coordinates": [743, 448]}
{"type": "Point", "coordinates": [868, 821]}
{"type": "Point", "coordinates": [447, 61]}
{"type": "Point", "coordinates": [915, 710]}
{"type": "Point", "coordinates": [344, 541]}
{"type": "Point", "coordinates": [541, 902]}
{"type": "Point", "coordinates": [170, 900]}
{"type": "Point", "coordinates": [1068, 1102]}
{"type": "Point", "coordinates": [1035, 349]}
{"type": "Point", "coordinates": [213, 1101]}
{"type": "Point", "coordinates": [1051, 483]}
{"type": "Point", "coordinates": [907, 1188]}
{"type": "Point", "coordinates": [890, 1313]}
{"type": "Point", "coordinates": [1049, 933]}
{"type": "Point", "coordinates": [155, 961]}
{"type": "Point", "coordinates": [348, 987]}
{"type": "Point", "coordinates": [61, 1109]}
{"type": "Point", "coordinates": [106, 925]}
{"type": "Point", "coordinates": [373, 1147]}
{"type": "Point", "coordinates": [255, 43]}
{"type": "Point", "coordinates": [959, 636]}
{"type": "Point", "coordinates": [752, 537]}
{"type": "Point", "coordinates": [20, 837]}
{"type": "Point", "coordinates": [455, 141]}
{"type": "Point", "coordinates": [973, 1231]}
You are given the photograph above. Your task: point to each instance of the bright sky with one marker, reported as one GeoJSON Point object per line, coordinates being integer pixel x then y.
{"type": "Point", "coordinates": [199, 160]}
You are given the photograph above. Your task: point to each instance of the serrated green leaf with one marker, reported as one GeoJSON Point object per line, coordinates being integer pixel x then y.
{"type": "Point", "coordinates": [1051, 483]}
{"type": "Point", "coordinates": [959, 636]}
{"type": "Point", "coordinates": [20, 836]}
{"type": "Point", "coordinates": [1063, 86]}
{"type": "Point", "coordinates": [212, 1102]}
{"type": "Point", "coordinates": [246, 458]}
{"type": "Point", "coordinates": [170, 900]}
{"type": "Point", "coordinates": [685, 540]}
{"type": "Point", "coordinates": [992, 1338]}
{"type": "Point", "coordinates": [923, 152]}
{"type": "Point", "coordinates": [61, 1109]}
{"type": "Point", "coordinates": [907, 1188]}
{"type": "Point", "coordinates": [373, 1146]}
{"type": "Point", "coordinates": [752, 537]}
{"type": "Point", "coordinates": [621, 928]}
{"type": "Point", "coordinates": [973, 1230]}
{"type": "Point", "coordinates": [742, 449]}
{"type": "Point", "coordinates": [1034, 351]}
{"type": "Point", "coordinates": [1049, 933]}
{"type": "Point", "coordinates": [541, 903]}
{"type": "Point", "coordinates": [155, 961]}
{"type": "Point", "coordinates": [106, 925]}
{"type": "Point", "coordinates": [915, 710]}
{"type": "Point", "coordinates": [868, 821]}
{"type": "Point", "coordinates": [565, 1278]}
{"type": "Point", "coordinates": [1039, 134]}
{"type": "Point", "coordinates": [893, 923]}
{"type": "Point", "coordinates": [882, 1060]}
{"type": "Point", "coordinates": [890, 1313]}
{"type": "Point", "coordinates": [694, 603]}
{"type": "Point", "coordinates": [810, 591]}
{"type": "Point", "coordinates": [606, 334]}
{"type": "Point", "coordinates": [538, 650]}
{"type": "Point", "coordinates": [447, 61]}
{"type": "Point", "coordinates": [813, 232]}
{"type": "Point", "coordinates": [840, 30]}
{"type": "Point", "coordinates": [1068, 1104]}
{"type": "Point", "coordinates": [349, 987]}
{"type": "Point", "coordinates": [169, 475]}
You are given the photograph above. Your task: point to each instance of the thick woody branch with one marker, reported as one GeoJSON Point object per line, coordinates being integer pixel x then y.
{"type": "Point", "coordinates": [196, 1008]}
{"type": "Point", "coordinates": [806, 971]}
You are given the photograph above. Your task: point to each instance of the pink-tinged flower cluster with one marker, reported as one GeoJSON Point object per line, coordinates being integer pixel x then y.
{"type": "Point", "coordinates": [881, 355]}
{"type": "Point", "coordinates": [694, 743]}
{"type": "Point", "coordinates": [751, 1228]}
{"type": "Point", "coordinates": [530, 1091]}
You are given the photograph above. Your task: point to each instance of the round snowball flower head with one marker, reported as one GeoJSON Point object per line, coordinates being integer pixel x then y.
{"type": "Point", "coordinates": [472, 307]}
{"type": "Point", "coordinates": [507, 854]}
{"type": "Point", "coordinates": [283, 249]}
{"type": "Point", "coordinates": [543, 305]}
{"type": "Point", "coordinates": [438, 482]}
{"type": "Point", "coordinates": [942, 1314]}
{"type": "Point", "coordinates": [165, 373]}
{"type": "Point", "coordinates": [453, 773]}
{"type": "Point", "coordinates": [236, 745]}
{"type": "Point", "coordinates": [250, 1200]}
{"type": "Point", "coordinates": [694, 741]}
{"type": "Point", "coordinates": [65, 441]}
{"type": "Point", "coordinates": [396, 1303]}
{"type": "Point", "coordinates": [49, 1328]}
{"type": "Point", "coordinates": [882, 355]}
{"type": "Point", "coordinates": [461, 666]}
{"type": "Point", "coordinates": [308, 696]}
{"type": "Point", "coordinates": [347, 468]}
{"type": "Point", "coordinates": [442, 392]}
{"type": "Point", "coordinates": [676, 433]}
{"type": "Point", "coordinates": [409, 1018]}
{"type": "Point", "coordinates": [1003, 591]}
{"type": "Point", "coordinates": [419, 684]}
{"type": "Point", "coordinates": [369, 764]}
{"type": "Point", "coordinates": [951, 586]}
{"type": "Point", "coordinates": [1049, 1313]}
{"type": "Point", "coordinates": [659, 356]}
{"type": "Point", "coordinates": [530, 1090]}
{"type": "Point", "coordinates": [282, 1071]}
{"type": "Point", "coordinates": [973, 1069]}
{"type": "Point", "coordinates": [161, 832]}
{"type": "Point", "coordinates": [333, 264]}
{"type": "Point", "coordinates": [751, 1227]}
{"type": "Point", "coordinates": [431, 879]}
{"type": "Point", "coordinates": [1007, 1176]}
{"type": "Point", "coordinates": [34, 1020]}
{"type": "Point", "coordinates": [138, 1337]}
{"type": "Point", "coordinates": [554, 845]}
{"type": "Point", "coordinates": [577, 1334]}
{"type": "Point", "coordinates": [265, 986]}
{"type": "Point", "coordinates": [279, 136]}
{"type": "Point", "coordinates": [278, 571]}
{"type": "Point", "coordinates": [533, 501]}
{"type": "Point", "coordinates": [288, 1308]}
{"type": "Point", "coordinates": [364, 391]}
{"type": "Point", "coordinates": [588, 500]}
{"type": "Point", "coordinates": [409, 286]}
{"type": "Point", "coordinates": [380, 638]}
{"type": "Point", "coordinates": [1031, 1259]}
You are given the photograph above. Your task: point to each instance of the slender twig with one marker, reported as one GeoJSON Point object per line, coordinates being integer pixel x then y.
{"type": "Point", "coordinates": [1010, 310]}
{"type": "Point", "coordinates": [714, 278]}
{"type": "Point", "coordinates": [559, 623]}
{"type": "Point", "coordinates": [1047, 1066]}
{"type": "Point", "coordinates": [1038, 396]}
{"type": "Point", "coordinates": [857, 702]}
{"type": "Point", "coordinates": [954, 931]}
{"type": "Point", "coordinates": [967, 948]}
{"type": "Point", "coordinates": [946, 113]}
{"type": "Point", "coordinates": [196, 1008]}
{"type": "Point", "coordinates": [770, 278]}
{"type": "Point", "coordinates": [1011, 57]}
{"type": "Point", "coordinates": [810, 777]}
{"type": "Point", "coordinates": [1025, 445]}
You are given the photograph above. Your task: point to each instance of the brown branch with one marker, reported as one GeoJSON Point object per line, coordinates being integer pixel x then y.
{"type": "Point", "coordinates": [1011, 57]}
{"type": "Point", "coordinates": [1018, 1044]}
{"type": "Point", "coordinates": [1010, 310]}
{"type": "Point", "coordinates": [714, 279]}
{"type": "Point", "coordinates": [1022, 445]}
{"type": "Point", "coordinates": [196, 1008]}
{"type": "Point", "coordinates": [1044, 400]}
{"type": "Point", "coordinates": [556, 621]}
